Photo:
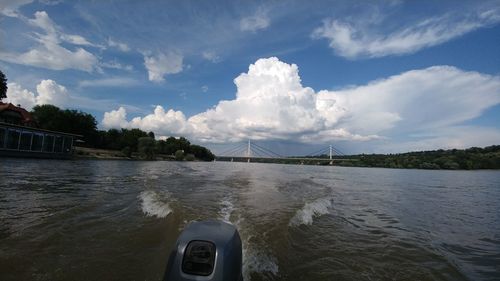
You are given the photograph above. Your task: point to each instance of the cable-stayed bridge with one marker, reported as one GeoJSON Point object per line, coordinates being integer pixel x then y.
{"type": "Point", "coordinates": [253, 152]}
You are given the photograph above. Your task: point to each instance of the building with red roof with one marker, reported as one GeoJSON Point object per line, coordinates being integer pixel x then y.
{"type": "Point", "coordinates": [17, 115]}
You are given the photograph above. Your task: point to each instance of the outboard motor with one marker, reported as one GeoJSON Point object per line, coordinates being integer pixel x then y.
{"type": "Point", "coordinates": [206, 250]}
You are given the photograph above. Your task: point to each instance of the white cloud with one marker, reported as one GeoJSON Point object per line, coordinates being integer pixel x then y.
{"type": "Point", "coordinates": [48, 92]}
{"type": "Point", "coordinates": [49, 53]}
{"type": "Point", "coordinates": [120, 46]}
{"type": "Point", "coordinates": [260, 20]}
{"type": "Point", "coordinates": [19, 96]}
{"type": "Point", "coordinates": [161, 120]}
{"type": "Point", "coordinates": [116, 65]}
{"type": "Point", "coordinates": [9, 7]}
{"type": "Point", "coordinates": [272, 104]}
{"type": "Point", "coordinates": [115, 119]}
{"type": "Point", "coordinates": [162, 64]}
{"type": "Point", "coordinates": [211, 56]}
{"type": "Point", "coordinates": [362, 38]}
{"type": "Point", "coordinates": [418, 100]}
{"type": "Point", "coordinates": [108, 82]}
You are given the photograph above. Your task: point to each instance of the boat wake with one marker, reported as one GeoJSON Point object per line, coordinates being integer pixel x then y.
{"type": "Point", "coordinates": [226, 210]}
{"type": "Point", "coordinates": [311, 210]}
{"type": "Point", "coordinates": [154, 206]}
{"type": "Point", "coordinates": [255, 259]}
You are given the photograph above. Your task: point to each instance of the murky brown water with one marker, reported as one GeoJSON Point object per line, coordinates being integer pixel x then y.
{"type": "Point", "coordinates": [116, 220]}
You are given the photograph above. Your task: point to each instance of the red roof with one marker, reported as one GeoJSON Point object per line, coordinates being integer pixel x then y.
{"type": "Point", "coordinates": [27, 118]}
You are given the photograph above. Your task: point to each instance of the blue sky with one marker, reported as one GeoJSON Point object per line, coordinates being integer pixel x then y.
{"type": "Point", "coordinates": [387, 76]}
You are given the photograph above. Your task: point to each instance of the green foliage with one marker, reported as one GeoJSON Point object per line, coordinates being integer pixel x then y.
{"type": "Point", "coordinates": [51, 117]}
{"type": "Point", "coordinates": [454, 159]}
{"type": "Point", "coordinates": [190, 157]}
{"type": "Point", "coordinates": [127, 151]}
{"type": "Point", "coordinates": [3, 86]}
{"type": "Point", "coordinates": [146, 146]}
{"type": "Point", "coordinates": [179, 155]}
{"type": "Point", "coordinates": [201, 153]}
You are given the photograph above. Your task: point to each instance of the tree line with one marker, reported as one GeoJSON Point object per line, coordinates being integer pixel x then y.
{"type": "Point", "coordinates": [129, 141]}
{"type": "Point", "coordinates": [453, 159]}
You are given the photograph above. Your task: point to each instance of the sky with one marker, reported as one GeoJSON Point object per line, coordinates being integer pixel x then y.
{"type": "Point", "coordinates": [293, 76]}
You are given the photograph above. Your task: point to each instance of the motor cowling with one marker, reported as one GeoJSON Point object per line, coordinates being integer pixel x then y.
{"type": "Point", "coordinates": [206, 250]}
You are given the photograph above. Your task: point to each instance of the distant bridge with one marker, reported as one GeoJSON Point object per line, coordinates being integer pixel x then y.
{"type": "Point", "coordinates": [252, 152]}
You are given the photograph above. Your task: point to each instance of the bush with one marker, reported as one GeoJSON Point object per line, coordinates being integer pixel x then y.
{"type": "Point", "coordinates": [127, 151]}
{"type": "Point", "coordinates": [190, 157]}
{"type": "Point", "coordinates": [179, 155]}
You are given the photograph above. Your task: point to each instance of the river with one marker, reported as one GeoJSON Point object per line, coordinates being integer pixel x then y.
{"type": "Point", "coordinates": [117, 220]}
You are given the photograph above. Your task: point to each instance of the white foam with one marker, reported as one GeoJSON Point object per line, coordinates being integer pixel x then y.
{"type": "Point", "coordinates": [311, 210]}
{"type": "Point", "coordinates": [153, 206]}
{"type": "Point", "coordinates": [227, 208]}
{"type": "Point", "coordinates": [255, 261]}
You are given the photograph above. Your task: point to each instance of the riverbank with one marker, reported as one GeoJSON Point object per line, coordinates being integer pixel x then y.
{"type": "Point", "coordinates": [108, 154]}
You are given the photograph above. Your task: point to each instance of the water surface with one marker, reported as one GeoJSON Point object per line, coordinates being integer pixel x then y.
{"type": "Point", "coordinates": [117, 220]}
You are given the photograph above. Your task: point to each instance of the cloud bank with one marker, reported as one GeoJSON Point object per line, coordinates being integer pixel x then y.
{"type": "Point", "coordinates": [272, 104]}
{"type": "Point", "coordinates": [359, 38]}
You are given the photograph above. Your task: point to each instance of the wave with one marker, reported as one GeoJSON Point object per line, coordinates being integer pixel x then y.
{"type": "Point", "coordinates": [310, 210]}
{"type": "Point", "coordinates": [153, 206]}
{"type": "Point", "coordinates": [255, 261]}
{"type": "Point", "coordinates": [226, 209]}
{"type": "Point", "coordinates": [255, 258]}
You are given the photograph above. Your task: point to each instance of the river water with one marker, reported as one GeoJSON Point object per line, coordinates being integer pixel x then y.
{"type": "Point", "coordinates": [117, 220]}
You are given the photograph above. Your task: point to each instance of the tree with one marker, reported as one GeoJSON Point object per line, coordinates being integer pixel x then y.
{"type": "Point", "coordinates": [201, 153]}
{"type": "Point", "coordinates": [3, 86]}
{"type": "Point", "coordinates": [146, 146]}
{"type": "Point", "coordinates": [52, 118]}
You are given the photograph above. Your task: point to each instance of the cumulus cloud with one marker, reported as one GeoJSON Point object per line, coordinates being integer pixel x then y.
{"type": "Point", "coordinates": [159, 121]}
{"type": "Point", "coordinates": [260, 20]}
{"type": "Point", "coordinates": [272, 104]}
{"type": "Point", "coordinates": [49, 53]}
{"type": "Point", "coordinates": [162, 64]}
{"type": "Point", "coordinates": [19, 96]}
{"type": "Point", "coordinates": [48, 92]}
{"type": "Point", "coordinates": [115, 119]}
{"type": "Point", "coordinates": [359, 38]}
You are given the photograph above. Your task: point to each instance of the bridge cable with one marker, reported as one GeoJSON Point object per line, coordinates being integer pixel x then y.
{"type": "Point", "coordinates": [320, 152]}
{"type": "Point", "coordinates": [263, 152]}
{"type": "Point", "coordinates": [232, 150]}
{"type": "Point", "coordinates": [268, 150]}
